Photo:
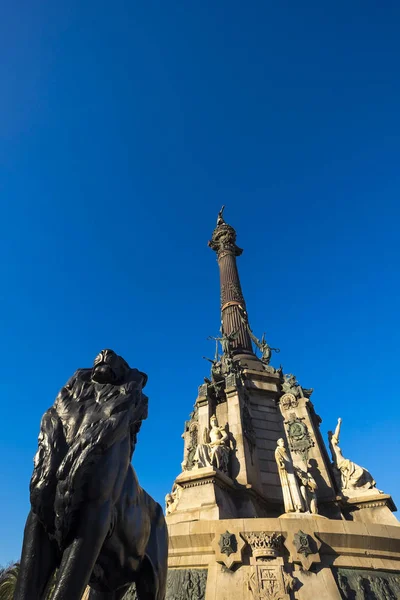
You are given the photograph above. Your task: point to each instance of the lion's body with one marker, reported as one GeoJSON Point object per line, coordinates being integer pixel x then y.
{"type": "Point", "coordinates": [84, 486]}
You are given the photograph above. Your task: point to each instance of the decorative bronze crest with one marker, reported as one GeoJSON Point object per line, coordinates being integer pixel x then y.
{"type": "Point", "coordinates": [302, 543]}
{"type": "Point", "coordinates": [227, 543]}
{"type": "Point", "coordinates": [299, 437]}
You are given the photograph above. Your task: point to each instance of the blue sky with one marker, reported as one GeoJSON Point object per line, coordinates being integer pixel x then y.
{"type": "Point", "coordinates": [123, 129]}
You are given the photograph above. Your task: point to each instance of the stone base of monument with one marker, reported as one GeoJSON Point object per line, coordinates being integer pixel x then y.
{"type": "Point", "coordinates": [299, 557]}
{"type": "Point", "coordinates": [206, 493]}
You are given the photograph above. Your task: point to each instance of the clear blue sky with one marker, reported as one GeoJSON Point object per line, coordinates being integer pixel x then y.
{"type": "Point", "coordinates": [123, 128]}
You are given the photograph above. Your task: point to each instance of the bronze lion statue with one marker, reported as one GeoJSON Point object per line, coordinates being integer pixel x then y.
{"type": "Point", "coordinates": [90, 521]}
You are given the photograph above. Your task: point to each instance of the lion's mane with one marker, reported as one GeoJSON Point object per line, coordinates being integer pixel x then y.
{"type": "Point", "coordinates": [62, 465]}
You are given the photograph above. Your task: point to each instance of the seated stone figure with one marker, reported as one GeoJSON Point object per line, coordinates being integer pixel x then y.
{"type": "Point", "coordinates": [352, 476]}
{"type": "Point", "coordinates": [214, 452]}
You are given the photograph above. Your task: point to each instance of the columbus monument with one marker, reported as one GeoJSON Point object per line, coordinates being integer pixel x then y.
{"type": "Point", "coordinates": [262, 508]}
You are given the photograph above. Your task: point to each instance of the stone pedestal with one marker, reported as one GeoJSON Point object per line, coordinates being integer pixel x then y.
{"type": "Point", "coordinates": [205, 494]}
{"type": "Point", "coordinates": [308, 558]}
{"type": "Point", "coordinates": [369, 506]}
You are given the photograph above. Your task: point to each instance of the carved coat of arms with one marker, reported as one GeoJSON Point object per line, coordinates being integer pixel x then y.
{"type": "Point", "coordinates": [299, 437]}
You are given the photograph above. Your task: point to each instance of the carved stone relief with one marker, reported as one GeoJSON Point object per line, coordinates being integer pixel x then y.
{"type": "Point", "coordinates": [269, 581]}
{"type": "Point", "coordinates": [186, 584]}
{"type": "Point", "coordinates": [264, 544]}
{"type": "Point", "coordinates": [289, 401]}
{"type": "Point", "coordinates": [299, 437]}
{"type": "Point", "coordinates": [363, 584]}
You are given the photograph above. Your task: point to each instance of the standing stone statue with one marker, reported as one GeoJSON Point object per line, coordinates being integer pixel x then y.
{"type": "Point", "coordinates": [290, 488]}
{"type": "Point", "coordinates": [352, 476]}
{"type": "Point", "coordinates": [214, 452]}
{"type": "Point", "coordinates": [308, 488]}
{"type": "Point", "coordinates": [90, 520]}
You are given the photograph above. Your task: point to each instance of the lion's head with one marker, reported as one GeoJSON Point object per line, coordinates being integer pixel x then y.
{"type": "Point", "coordinates": [108, 367]}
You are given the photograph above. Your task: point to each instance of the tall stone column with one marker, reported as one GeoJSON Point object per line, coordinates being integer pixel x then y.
{"type": "Point", "coordinates": [223, 242]}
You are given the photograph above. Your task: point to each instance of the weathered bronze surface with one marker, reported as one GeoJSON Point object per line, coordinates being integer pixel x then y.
{"type": "Point", "coordinates": [367, 584]}
{"type": "Point", "coordinates": [228, 543]}
{"type": "Point", "coordinates": [186, 584]}
{"type": "Point", "coordinates": [89, 517]}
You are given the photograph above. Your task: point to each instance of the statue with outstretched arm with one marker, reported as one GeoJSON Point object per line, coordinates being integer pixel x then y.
{"type": "Point", "coordinates": [262, 345]}
{"type": "Point", "coordinates": [352, 476]}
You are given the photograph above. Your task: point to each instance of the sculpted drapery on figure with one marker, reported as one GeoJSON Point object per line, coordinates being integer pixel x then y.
{"type": "Point", "coordinates": [90, 520]}
{"type": "Point", "coordinates": [172, 499]}
{"type": "Point", "coordinates": [214, 452]}
{"type": "Point", "coordinates": [292, 498]}
{"type": "Point", "coordinates": [308, 488]}
{"type": "Point", "coordinates": [352, 476]}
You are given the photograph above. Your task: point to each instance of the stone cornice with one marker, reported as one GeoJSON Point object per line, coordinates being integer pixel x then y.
{"type": "Point", "coordinates": [342, 542]}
